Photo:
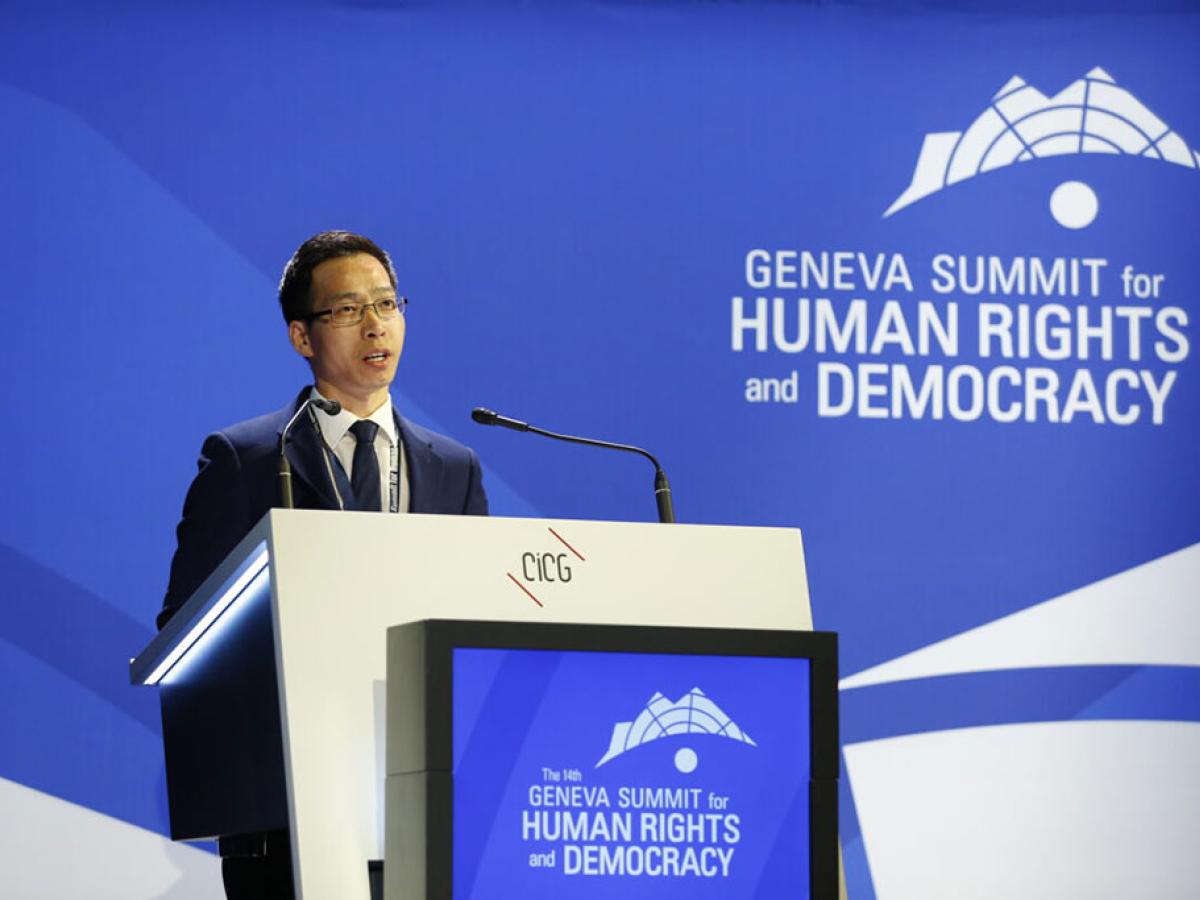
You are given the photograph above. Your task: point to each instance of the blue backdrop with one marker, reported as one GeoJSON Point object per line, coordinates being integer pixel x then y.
{"type": "Point", "coordinates": [571, 191]}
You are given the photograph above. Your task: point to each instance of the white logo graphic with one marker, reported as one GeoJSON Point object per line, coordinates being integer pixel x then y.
{"type": "Point", "coordinates": [1090, 115]}
{"type": "Point", "coordinates": [693, 713]}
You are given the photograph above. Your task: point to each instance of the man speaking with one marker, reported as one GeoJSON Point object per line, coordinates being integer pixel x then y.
{"type": "Point", "coordinates": [343, 313]}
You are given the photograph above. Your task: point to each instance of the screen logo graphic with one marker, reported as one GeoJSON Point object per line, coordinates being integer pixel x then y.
{"type": "Point", "coordinates": [693, 713]}
{"type": "Point", "coordinates": [536, 816]}
{"type": "Point", "coordinates": [1091, 115]}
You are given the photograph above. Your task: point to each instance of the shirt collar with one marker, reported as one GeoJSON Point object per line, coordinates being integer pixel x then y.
{"type": "Point", "coordinates": [334, 428]}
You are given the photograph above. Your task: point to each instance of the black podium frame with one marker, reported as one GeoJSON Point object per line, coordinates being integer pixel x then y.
{"type": "Point", "coordinates": [420, 740]}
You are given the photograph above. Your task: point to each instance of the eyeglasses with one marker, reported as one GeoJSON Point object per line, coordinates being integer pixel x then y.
{"type": "Point", "coordinates": [346, 313]}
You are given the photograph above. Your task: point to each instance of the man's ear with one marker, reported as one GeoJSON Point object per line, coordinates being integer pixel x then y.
{"type": "Point", "coordinates": [298, 335]}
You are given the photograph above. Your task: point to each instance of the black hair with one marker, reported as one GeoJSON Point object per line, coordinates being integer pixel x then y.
{"type": "Point", "coordinates": [295, 287]}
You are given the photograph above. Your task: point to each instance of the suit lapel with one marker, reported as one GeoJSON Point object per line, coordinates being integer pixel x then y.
{"type": "Point", "coordinates": [424, 468]}
{"type": "Point", "coordinates": [307, 455]}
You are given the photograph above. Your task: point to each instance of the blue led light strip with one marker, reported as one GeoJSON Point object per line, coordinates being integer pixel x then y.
{"type": "Point", "coordinates": [250, 574]}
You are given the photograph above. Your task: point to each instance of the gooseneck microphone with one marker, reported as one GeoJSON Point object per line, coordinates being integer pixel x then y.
{"type": "Point", "coordinates": [286, 501]}
{"type": "Point", "coordinates": [662, 490]}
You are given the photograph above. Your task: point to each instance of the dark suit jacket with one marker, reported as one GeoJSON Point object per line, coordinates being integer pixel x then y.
{"type": "Point", "coordinates": [238, 483]}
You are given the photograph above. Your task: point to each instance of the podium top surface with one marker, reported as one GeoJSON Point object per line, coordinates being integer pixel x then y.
{"type": "Point", "coordinates": [544, 564]}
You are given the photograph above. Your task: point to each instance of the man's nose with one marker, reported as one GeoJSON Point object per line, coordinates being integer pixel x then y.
{"type": "Point", "coordinates": [371, 322]}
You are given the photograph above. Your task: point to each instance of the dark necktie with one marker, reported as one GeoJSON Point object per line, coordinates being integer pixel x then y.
{"type": "Point", "coordinates": [364, 475]}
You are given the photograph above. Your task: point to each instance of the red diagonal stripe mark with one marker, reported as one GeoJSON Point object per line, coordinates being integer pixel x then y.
{"type": "Point", "coordinates": [568, 546]}
{"type": "Point", "coordinates": [522, 587]}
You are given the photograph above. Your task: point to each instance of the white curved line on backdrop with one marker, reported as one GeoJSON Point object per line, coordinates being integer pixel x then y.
{"type": "Point", "coordinates": [1038, 811]}
{"type": "Point", "coordinates": [1147, 615]}
{"type": "Point", "coordinates": [51, 849]}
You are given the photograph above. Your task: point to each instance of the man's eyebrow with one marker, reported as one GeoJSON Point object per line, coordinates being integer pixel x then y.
{"type": "Point", "coordinates": [354, 295]}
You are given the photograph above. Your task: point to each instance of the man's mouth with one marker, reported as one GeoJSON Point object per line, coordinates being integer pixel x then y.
{"type": "Point", "coordinates": [377, 357]}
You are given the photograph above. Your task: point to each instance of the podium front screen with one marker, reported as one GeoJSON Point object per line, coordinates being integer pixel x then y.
{"type": "Point", "coordinates": [587, 774]}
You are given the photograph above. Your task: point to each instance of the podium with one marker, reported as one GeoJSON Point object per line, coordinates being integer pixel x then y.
{"type": "Point", "coordinates": [272, 675]}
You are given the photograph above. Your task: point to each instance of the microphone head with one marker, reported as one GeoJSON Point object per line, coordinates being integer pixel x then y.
{"type": "Point", "coordinates": [483, 416]}
{"type": "Point", "coordinates": [330, 406]}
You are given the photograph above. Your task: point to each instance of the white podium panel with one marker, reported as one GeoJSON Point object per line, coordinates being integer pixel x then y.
{"type": "Point", "coordinates": [338, 580]}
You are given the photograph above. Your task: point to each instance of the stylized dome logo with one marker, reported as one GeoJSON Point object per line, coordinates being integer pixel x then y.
{"type": "Point", "coordinates": [1091, 115]}
{"type": "Point", "coordinates": [693, 713]}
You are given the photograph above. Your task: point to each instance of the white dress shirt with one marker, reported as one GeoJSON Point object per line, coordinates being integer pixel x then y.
{"type": "Point", "coordinates": [335, 430]}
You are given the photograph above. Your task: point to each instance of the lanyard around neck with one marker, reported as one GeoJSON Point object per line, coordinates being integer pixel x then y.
{"type": "Point", "coordinates": [340, 481]}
